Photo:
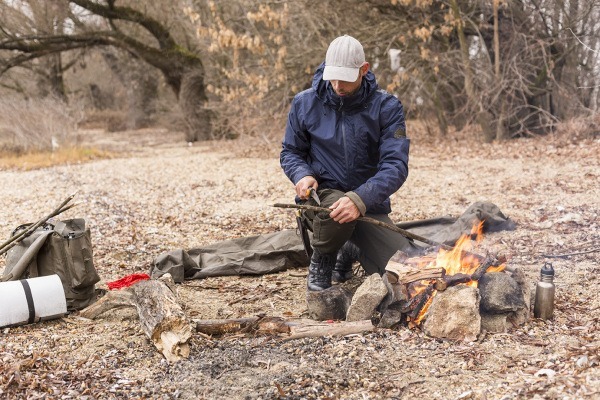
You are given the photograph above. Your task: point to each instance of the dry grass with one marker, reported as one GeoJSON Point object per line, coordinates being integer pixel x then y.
{"type": "Point", "coordinates": [42, 159]}
{"type": "Point", "coordinates": [37, 124]}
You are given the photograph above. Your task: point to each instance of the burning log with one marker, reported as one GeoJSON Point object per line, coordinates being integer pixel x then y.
{"type": "Point", "coordinates": [485, 265]}
{"type": "Point", "coordinates": [447, 281]}
{"type": "Point", "coordinates": [416, 303]}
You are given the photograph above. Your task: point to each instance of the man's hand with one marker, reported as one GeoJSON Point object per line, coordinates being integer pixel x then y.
{"type": "Point", "coordinates": [344, 210]}
{"type": "Point", "coordinates": [303, 185]}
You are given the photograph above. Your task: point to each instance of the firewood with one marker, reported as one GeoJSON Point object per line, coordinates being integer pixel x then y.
{"type": "Point", "coordinates": [405, 274]}
{"type": "Point", "coordinates": [161, 316]}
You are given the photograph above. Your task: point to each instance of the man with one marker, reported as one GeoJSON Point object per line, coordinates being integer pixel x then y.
{"type": "Point", "coordinates": [346, 139]}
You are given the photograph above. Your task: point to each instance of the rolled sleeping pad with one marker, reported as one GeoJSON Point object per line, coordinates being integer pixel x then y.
{"type": "Point", "coordinates": [31, 300]}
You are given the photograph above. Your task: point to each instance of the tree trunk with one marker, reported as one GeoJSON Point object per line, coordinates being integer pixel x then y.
{"type": "Point", "coordinates": [50, 81]}
{"type": "Point", "coordinates": [484, 119]}
{"type": "Point", "coordinates": [500, 128]}
{"type": "Point", "coordinates": [193, 104]}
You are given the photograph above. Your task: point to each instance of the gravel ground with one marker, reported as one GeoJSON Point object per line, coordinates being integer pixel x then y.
{"type": "Point", "coordinates": [162, 195]}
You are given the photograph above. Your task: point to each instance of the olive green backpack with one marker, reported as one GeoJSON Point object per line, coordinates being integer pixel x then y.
{"type": "Point", "coordinates": [65, 249]}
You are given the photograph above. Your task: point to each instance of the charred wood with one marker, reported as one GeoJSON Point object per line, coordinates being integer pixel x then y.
{"type": "Point", "coordinates": [482, 269]}
{"type": "Point", "coordinates": [447, 281]}
{"type": "Point", "coordinates": [414, 306]}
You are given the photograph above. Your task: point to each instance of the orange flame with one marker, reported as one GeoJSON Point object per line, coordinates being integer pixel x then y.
{"type": "Point", "coordinates": [459, 259]}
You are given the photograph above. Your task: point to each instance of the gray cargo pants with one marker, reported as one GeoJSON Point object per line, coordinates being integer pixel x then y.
{"type": "Point", "coordinates": [377, 244]}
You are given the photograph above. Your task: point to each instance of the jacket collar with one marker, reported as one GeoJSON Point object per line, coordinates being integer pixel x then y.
{"type": "Point", "coordinates": [358, 100]}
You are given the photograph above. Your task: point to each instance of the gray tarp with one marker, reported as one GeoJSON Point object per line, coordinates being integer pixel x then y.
{"type": "Point", "coordinates": [278, 251]}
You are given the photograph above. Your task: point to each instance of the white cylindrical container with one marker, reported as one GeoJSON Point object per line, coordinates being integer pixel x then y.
{"type": "Point", "coordinates": [31, 300]}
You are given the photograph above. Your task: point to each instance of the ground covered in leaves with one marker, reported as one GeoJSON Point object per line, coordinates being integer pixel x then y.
{"type": "Point", "coordinates": [162, 194]}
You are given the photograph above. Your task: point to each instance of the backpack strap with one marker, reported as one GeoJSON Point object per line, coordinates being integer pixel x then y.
{"type": "Point", "coordinates": [19, 268]}
{"type": "Point", "coordinates": [29, 298]}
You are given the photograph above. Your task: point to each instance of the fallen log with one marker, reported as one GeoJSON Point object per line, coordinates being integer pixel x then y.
{"type": "Point", "coordinates": [110, 301]}
{"type": "Point", "coordinates": [161, 316]}
{"type": "Point", "coordinates": [318, 329]}
{"type": "Point", "coordinates": [285, 329]}
{"type": "Point", "coordinates": [218, 327]}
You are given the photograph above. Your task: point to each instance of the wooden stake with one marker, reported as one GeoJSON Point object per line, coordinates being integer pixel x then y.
{"type": "Point", "coordinates": [13, 240]}
{"type": "Point", "coordinates": [373, 221]}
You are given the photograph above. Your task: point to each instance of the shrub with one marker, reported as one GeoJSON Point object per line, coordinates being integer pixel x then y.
{"type": "Point", "coordinates": [37, 124]}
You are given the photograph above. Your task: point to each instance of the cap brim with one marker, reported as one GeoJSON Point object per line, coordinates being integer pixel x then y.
{"type": "Point", "coordinates": [346, 74]}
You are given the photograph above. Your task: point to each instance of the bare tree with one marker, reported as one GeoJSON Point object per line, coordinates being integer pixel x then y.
{"type": "Point", "coordinates": [513, 67]}
{"type": "Point", "coordinates": [104, 23]}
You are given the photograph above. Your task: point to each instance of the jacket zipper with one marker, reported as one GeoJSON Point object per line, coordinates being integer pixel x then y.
{"type": "Point", "coordinates": [344, 138]}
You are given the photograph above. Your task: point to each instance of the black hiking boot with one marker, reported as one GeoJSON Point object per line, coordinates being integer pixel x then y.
{"type": "Point", "coordinates": [342, 271]}
{"type": "Point", "coordinates": [319, 271]}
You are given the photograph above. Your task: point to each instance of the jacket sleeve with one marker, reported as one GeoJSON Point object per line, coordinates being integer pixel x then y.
{"type": "Point", "coordinates": [392, 169]}
{"type": "Point", "coordinates": [295, 145]}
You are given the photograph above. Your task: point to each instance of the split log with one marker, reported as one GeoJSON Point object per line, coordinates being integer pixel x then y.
{"type": "Point", "coordinates": [285, 329]}
{"type": "Point", "coordinates": [401, 273]}
{"type": "Point", "coordinates": [161, 316]}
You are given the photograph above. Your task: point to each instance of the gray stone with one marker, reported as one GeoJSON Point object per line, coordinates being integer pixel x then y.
{"type": "Point", "coordinates": [328, 304]}
{"type": "Point", "coordinates": [495, 323]}
{"type": "Point", "coordinates": [500, 293]}
{"type": "Point", "coordinates": [392, 316]}
{"type": "Point", "coordinates": [519, 317]}
{"type": "Point", "coordinates": [366, 299]}
{"type": "Point", "coordinates": [454, 314]}
{"type": "Point", "coordinates": [519, 276]}
{"type": "Point", "coordinates": [396, 292]}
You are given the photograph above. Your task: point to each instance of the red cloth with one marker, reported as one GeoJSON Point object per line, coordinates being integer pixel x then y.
{"type": "Point", "coordinates": [127, 281]}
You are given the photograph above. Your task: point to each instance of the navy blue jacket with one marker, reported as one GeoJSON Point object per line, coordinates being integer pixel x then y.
{"type": "Point", "coordinates": [353, 144]}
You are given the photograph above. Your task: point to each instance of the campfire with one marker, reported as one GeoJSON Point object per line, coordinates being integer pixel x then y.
{"type": "Point", "coordinates": [455, 292]}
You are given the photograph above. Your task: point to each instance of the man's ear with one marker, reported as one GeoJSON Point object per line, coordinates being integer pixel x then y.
{"type": "Point", "coordinates": [364, 69]}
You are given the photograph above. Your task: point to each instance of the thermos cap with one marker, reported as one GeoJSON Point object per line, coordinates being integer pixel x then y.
{"type": "Point", "coordinates": [547, 269]}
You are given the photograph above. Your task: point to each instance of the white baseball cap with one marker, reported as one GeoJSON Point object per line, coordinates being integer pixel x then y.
{"type": "Point", "coordinates": [344, 58]}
